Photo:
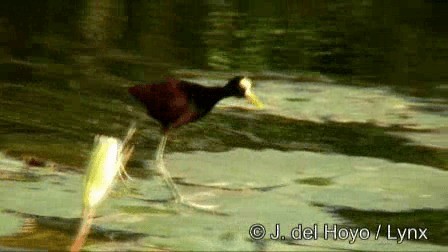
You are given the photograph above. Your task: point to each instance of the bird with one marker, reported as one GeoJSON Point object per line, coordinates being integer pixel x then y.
{"type": "Point", "coordinates": [175, 103]}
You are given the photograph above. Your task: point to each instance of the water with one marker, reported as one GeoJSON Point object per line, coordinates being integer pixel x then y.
{"type": "Point", "coordinates": [354, 92]}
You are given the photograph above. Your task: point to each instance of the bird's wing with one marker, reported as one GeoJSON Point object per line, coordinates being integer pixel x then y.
{"type": "Point", "coordinates": [186, 117]}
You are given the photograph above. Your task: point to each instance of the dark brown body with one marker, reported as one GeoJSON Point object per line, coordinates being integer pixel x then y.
{"type": "Point", "coordinates": [174, 103]}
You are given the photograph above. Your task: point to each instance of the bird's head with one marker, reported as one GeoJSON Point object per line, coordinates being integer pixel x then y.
{"type": "Point", "coordinates": [241, 86]}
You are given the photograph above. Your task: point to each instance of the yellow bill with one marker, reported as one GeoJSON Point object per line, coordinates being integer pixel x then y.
{"type": "Point", "coordinates": [252, 98]}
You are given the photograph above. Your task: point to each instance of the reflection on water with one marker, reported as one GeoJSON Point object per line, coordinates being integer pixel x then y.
{"type": "Point", "coordinates": [361, 79]}
{"type": "Point", "coordinates": [401, 44]}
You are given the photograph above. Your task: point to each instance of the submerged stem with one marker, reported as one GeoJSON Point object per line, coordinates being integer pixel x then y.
{"type": "Point", "coordinates": [84, 230]}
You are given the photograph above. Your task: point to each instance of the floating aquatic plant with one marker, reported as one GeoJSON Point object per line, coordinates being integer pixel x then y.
{"type": "Point", "coordinates": [107, 161]}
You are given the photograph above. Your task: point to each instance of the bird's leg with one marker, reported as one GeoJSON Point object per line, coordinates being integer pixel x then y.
{"type": "Point", "coordinates": [161, 148]}
{"type": "Point", "coordinates": [164, 172]}
{"type": "Point", "coordinates": [169, 181]}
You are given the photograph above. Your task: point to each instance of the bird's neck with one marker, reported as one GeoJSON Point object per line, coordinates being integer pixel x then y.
{"type": "Point", "coordinates": [210, 98]}
{"type": "Point", "coordinates": [220, 93]}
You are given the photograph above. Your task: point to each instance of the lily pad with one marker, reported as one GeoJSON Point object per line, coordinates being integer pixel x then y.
{"type": "Point", "coordinates": [9, 224]}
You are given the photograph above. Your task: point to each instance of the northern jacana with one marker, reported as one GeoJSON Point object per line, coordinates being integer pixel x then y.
{"type": "Point", "coordinates": [174, 103]}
